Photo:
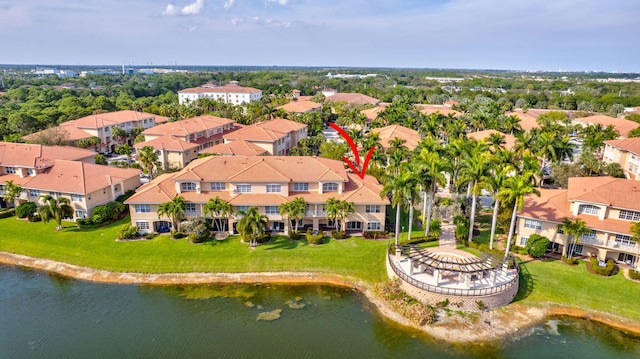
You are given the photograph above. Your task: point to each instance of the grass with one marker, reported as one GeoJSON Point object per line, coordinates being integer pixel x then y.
{"type": "Point", "coordinates": [551, 280]}
{"type": "Point", "coordinates": [97, 248]}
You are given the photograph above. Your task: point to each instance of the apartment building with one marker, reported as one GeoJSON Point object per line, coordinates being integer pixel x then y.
{"type": "Point", "coordinates": [276, 136]}
{"type": "Point", "coordinates": [607, 205]}
{"type": "Point", "coordinates": [178, 143]}
{"type": "Point", "coordinates": [625, 152]}
{"type": "Point", "coordinates": [265, 182]}
{"type": "Point", "coordinates": [63, 172]}
{"type": "Point", "coordinates": [231, 93]}
{"type": "Point", "coordinates": [102, 125]}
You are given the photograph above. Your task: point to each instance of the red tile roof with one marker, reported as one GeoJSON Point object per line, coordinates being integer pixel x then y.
{"type": "Point", "coordinates": [510, 140]}
{"type": "Point", "coordinates": [236, 148]}
{"type": "Point", "coordinates": [169, 143]}
{"type": "Point", "coordinates": [38, 156]}
{"type": "Point", "coordinates": [300, 106]}
{"type": "Point", "coordinates": [626, 144]}
{"type": "Point", "coordinates": [352, 98]}
{"type": "Point", "coordinates": [388, 133]}
{"type": "Point", "coordinates": [623, 126]}
{"type": "Point", "coordinates": [188, 126]}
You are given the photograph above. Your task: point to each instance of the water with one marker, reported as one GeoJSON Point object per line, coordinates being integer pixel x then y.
{"type": "Point", "coordinates": [46, 316]}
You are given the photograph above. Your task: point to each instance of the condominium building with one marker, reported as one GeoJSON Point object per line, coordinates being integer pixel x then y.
{"type": "Point", "coordinates": [607, 205]}
{"type": "Point", "coordinates": [102, 125]}
{"type": "Point", "coordinates": [265, 182]}
{"type": "Point", "coordinates": [63, 172]}
{"type": "Point", "coordinates": [276, 136]}
{"type": "Point", "coordinates": [231, 93]}
{"type": "Point", "coordinates": [625, 152]}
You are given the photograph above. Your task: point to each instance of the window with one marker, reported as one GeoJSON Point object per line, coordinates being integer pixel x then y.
{"type": "Point", "coordinates": [301, 186]}
{"type": "Point", "coordinates": [590, 235]}
{"type": "Point", "coordinates": [143, 208]}
{"type": "Point", "coordinates": [190, 208]}
{"type": "Point", "coordinates": [80, 213]}
{"type": "Point", "coordinates": [630, 215]}
{"type": "Point", "coordinates": [76, 198]}
{"type": "Point", "coordinates": [370, 208]}
{"type": "Point", "coordinates": [188, 186]}
{"type": "Point", "coordinates": [210, 132]}
{"type": "Point", "coordinates": [329, 187]}
{"type": "Point", "coordinates": [533, 224]}
{"type": "Point", "coordinates": [243, 188]}
{"type": "Point", "coordinates": [219, 130]}
{"type": "Point", "coordinates": [271, 210]}
{"type": "Point", "coordinates": [373, 226]}
{"type": "Point", "coordinates": [35, 192]}
{"type": "Point", "coordinates": [588, 209]}
{"type": "Point", "coordinates": [10, 170]}
{"type": "Point", "coordinates": [578, 248]}
{"type": "Point", "coordinates": [354, 225]}
{"type": "Point", "coordinates": [217, 186]}
{"type": "Point", "coordinates": [523, 241]}
{"type": "Point", "coordinates": [31, 172]}
{"type": "Point", "coordinates": [242, 208]}
{"type": "Point", "coordinates": [142, 225]}
{"type": "Point", "coordinates": [624, 240]}
{"type": "Point", "coordinates": [273, 188]}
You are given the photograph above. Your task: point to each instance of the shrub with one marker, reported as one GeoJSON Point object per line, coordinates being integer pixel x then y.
{"type": "Point", "coordinates": [123, 197]}
{"type": "Point", "coordinates": [481, 305]}
{"type": "Point", "coordinates": [375, 234]}
{"type": "Point", "coordinates": [314, 239]}
{"type": "Point", "coordinates": [85, 222]}
{"type": "Point", "coordinates": [100, 214]}
{"type": "Point", "coordinates": [571, 261]}
{"type": "Point", "coordinates": [338, 234]}
{"type": "Point", "coordinates": [151, 235]}
{"type": "Point", "coordinates": [603, 271]}
{"type": "Point", "coordinates": [35, 218]}
{"type": "Point", "coordinates": [195, 238]}
{"type": "Point", "coordinates": [462, 232]}
{"type": "Point", "coordinates": [178, 235]}
{"type": "Point", "coordinates": [128, 232]}
{"type": "Point", "coordinates": [421, 239]}
{"type": "Point", "coordinates": [27, 209]}
{"type": "Point", "coordinates": [265, 237]}
{"type": "Point", "coordinates": [8, 213]}
{"type": "Point", "coordinates": [435, 228]}
{"type": "Point", "coordinates": [633, 274]}
{"type": "Point", "coordinates": [537, 245]}
{"type": "Point", "coordinates": [295, 235]}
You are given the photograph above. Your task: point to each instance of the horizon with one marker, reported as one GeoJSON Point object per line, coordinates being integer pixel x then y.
{"type": "Point", "coordinates": [523, 36]}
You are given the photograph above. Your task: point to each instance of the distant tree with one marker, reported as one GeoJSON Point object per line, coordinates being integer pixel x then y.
{"type": "Point", "coordinates": [614, 169]}
{"type": "Point", "coordinates": [334, 150]}
{"type": "Point", "coordinates": [560, 173]}
{"type": "Point", "coordinates": [148, 158]}
{"type": "Point", "coordinates": [616, 109]}
{"type": "Point", "coordinates": [54, 136]}
{"type": "Point", "coordinates": [100, 159]}
{"type": "Point", "coordinates": [125, 149]}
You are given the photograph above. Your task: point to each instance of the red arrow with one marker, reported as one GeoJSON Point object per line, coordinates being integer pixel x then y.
{"type": "Point", "coordinates": [354, 149]}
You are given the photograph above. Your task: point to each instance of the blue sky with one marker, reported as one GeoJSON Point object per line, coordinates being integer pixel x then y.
{"type": "Point", "coordinates": [497, 34]}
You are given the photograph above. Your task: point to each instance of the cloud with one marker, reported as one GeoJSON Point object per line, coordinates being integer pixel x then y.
{"type": "Point", "coordinates": [281, 2]}
{"type": "Point", "coordinates": [228, 4]}
{"type": "Point", "coordinates": [191, 9]}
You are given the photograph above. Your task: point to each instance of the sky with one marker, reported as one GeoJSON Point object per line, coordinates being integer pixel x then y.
{"type": "Point", "coordinates": [568, 35]}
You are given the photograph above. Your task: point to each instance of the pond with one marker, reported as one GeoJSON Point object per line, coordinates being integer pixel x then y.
{"type": "Point", "coordinates": [47, 316]}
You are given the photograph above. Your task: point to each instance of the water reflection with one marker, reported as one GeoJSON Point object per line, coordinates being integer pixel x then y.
{"type": "Point", "coordinates": [46, 316]}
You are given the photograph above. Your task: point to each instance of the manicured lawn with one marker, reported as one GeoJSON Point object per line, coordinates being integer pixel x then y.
{"type": "Point", "coordinates": [97, 248]}
{"type": "Point", "coordinates": [553, 281]}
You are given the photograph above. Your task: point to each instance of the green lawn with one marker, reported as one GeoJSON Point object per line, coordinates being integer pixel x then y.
{"type": "Point", "coordinates": [553, 281]}
{"type": "Point", "coordinates": [97, 248]}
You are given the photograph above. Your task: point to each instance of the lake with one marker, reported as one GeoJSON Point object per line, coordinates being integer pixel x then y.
{"type": "Point", "coordinates": [44, 315]}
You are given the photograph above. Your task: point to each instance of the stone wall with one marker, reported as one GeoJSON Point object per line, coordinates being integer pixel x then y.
{"type": "Point", "coordinates": [467, 303]}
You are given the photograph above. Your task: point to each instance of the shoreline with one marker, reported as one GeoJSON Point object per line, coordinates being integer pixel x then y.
{"type": "Point", "coordinates": [485, 326]}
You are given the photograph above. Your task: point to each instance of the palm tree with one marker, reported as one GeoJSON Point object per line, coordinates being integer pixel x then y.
{"type": "Point", "coordinates": [148, 157]}
{"type": "Point", "coordinates": [345, 208]}
{"type": "Point", "coordinates": [494, 183]}
{"type": "Point", "coordinates": [295, 209]}
{"type": "Point", "coordinates": [11, 192]}
{"type": "Point", "coordinates": [474, 171]}
{"type": "Point", "coordinates": [514, 191]}
{"type": "Point", "coordinates": [218, 209]}
{"type": "Point", "coordinates": [573, 230]}
{"type": "Point", "coordinates": [332, 210]}
{"type": "Point", "coordinates": [54, 208]}
{"type": "Point", "coordinates": [635, 237]}
{"type": "Point", "coordinates": [251, 226]}
{"type": "Point", "coordinates": [430, 174]}
{"type": "Point", "coordinates": [399, 187]}
{"type": "Point", "coordinates": [174, 210]}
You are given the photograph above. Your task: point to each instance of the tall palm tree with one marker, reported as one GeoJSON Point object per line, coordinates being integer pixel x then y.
{"type": "Point", "coordinates": [251, 226]}
{"type": "Point", "coordinates": [494, 183]}
{"type": "Point", "coordinates": [345, 208]}
{"type": "Point", "coordinates": [474, 171]}
{"type": "Point", "coordinates": [295, 210]}
{"type": "Point", "coordinates": [400, 187]}
{"type": "Point", "coordinates": [573, 230]}
{"type": "Point", "coordinates": [332, 210]}
{"type": "Point", "coordinates": [174, 210]}
{"type": "Point", "coordinates": [635, 237]}
{"type": "Point", "coordinates": [514, 191]}
{"type": "Point", "coordinates": [54, 208]}
{"type": "Point", "coordinates": [148, 157]}
{"type": "Point", "coordinates": [431, 167]}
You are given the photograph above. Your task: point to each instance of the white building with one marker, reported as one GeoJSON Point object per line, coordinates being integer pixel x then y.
{"type": "Point", "coordinates": [231, 93]}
